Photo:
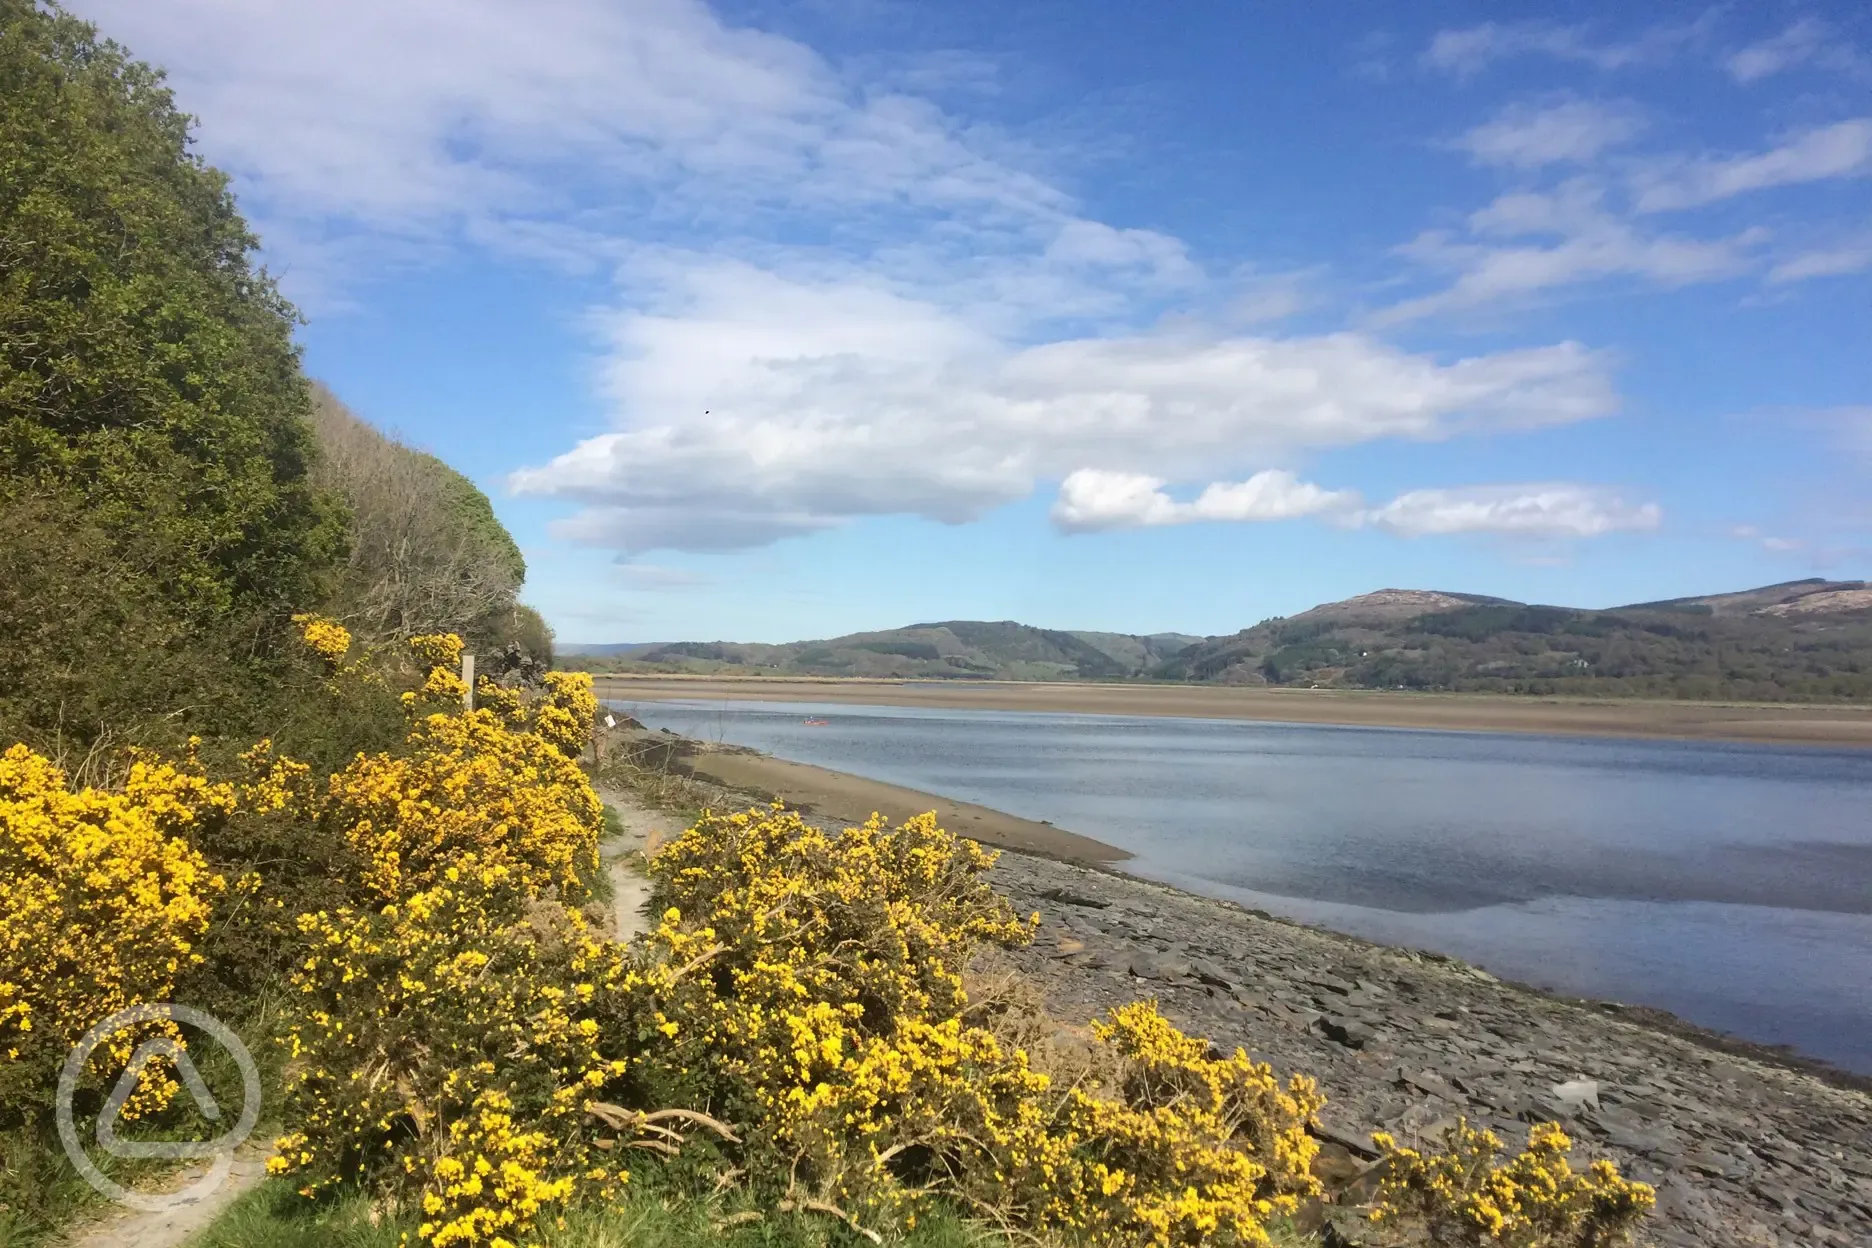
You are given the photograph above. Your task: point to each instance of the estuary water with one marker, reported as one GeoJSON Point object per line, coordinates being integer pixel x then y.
{"type": "Point", "coordinates": [1730, 884]}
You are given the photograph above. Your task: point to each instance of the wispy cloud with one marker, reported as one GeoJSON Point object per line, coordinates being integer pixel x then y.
{"type": "Point", "coordinates": [1840, 150]}
{"type": "Point", "coordinates": [1824, 262]}
{"type": "Point", "coordinates": [1505, 255]}
{"type": "Point", "coordinates": [1555, 510]}
{"type": "Point", "coordinates": [835, 299]}
{"type": "Point", "coordinates": [1791, 47]}
{"type": "Point", "coordinates": [1469, 51]}
{"type": "Point", "coordinates": [1808, 41]}
{"type": "Point", "coordinates": [1528, 136]}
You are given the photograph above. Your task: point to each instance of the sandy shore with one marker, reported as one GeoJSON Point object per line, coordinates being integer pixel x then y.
{"type": "Point", "coordinates": [1837, 726]}
{"type": "Point", "coordinates": [838, 797]}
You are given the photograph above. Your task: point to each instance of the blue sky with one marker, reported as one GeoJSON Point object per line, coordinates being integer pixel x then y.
{"type": "Point", "coordinates": [773, 320]}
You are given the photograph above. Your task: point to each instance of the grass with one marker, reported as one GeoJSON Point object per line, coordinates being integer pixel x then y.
{"type": "Point", "coordinates": [273, 1215]}
{"type": "Point", "coordinates": [41, 1193]}
{"type": "Point", "coordinates": [649, 770]}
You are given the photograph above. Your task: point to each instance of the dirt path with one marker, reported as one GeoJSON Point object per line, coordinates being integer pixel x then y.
{"type": "Point", "coordinates": [644, 830]}
{"type": "Point", "coordinates": [173, 1228]}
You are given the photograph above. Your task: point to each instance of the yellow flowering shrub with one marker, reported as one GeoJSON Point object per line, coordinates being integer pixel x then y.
{"type": "Point", "coordinates": [449, 1046]}
{"type": "Point", "coordinates": [465, 786]}
{"type": "Point", "coordinates": [564, 715]}
{"type": "Point", "coordinates": [831, 1024]}
{"type": "Point", "coordinates": [105, 901]}
{"type": "Point", "coordinates": [441, 652]}
{"type": "Point", "coordinates": [1464, 1195]}
{"type": "Point", "coordinates": [328, 639]}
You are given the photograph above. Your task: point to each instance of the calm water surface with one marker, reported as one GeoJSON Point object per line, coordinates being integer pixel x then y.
{"type": "Point", "coordinates": [1730, 884]}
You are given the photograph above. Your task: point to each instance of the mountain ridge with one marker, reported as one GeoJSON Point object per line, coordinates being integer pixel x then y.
{"type": "Point", "coordinates": [1806, 639]}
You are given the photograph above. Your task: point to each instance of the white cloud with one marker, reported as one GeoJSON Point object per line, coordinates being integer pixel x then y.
{"type": "Point", "coordinates": [1798, 43]}
{"type": "Point", "coordinates": [360, 131]}
{"type": "Point", "coordinates": [836, 299]}
{"type": "Point", "coordinates": [1499, 260]}
{"type": "Point", "coordinates": [1557, 510]}
{"type": "Point", "coordinates": [754, 406]}
{"type": "Point", "coordinates": [1527, 136]}
{"type": "Point", "coordinates": [1843, 149]}
{"type": "Point", "coordinates": [1468, 51]}
{"type": "Point", "coordinates": [1826, 262]}
{"type": "Point", "coordinates": [1092, 499]}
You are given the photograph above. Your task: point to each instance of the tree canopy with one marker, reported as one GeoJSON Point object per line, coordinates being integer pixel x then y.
{"type": "Point", "coordinates": [157, 511]}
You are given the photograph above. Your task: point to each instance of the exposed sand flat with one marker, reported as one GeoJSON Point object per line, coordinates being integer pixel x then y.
{"type": "Point", "coordinates": [835, 796]}
{"type": "Point", "coordinates": [1849, 726]}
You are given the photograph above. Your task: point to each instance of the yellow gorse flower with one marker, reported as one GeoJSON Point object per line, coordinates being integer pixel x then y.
{"type": "Point", "coordinates": [1464, 1195]}
{"type": "Point", "coordinates": [106, 901]}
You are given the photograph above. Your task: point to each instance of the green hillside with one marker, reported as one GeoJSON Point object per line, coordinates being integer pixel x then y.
{"type": "Point", "coordinates": [949, 650]}
{"type": "Point", "coordinates": [1805, 640]}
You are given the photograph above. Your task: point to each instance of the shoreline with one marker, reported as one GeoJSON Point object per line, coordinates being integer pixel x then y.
{"type": "Point", "coordinates": [1843, 726]}
{"type": "Point", "coordinates": [1745, 1143]}
{"type": "Point", "coordinates": [841, 796]}
{"type": "Point", "coordinates": [835, 796]}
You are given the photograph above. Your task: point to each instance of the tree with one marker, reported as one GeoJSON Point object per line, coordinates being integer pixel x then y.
{"type": "Point", "coordinates": [155, 491]}
{"type": "Point", "coordinates": [427, 553]}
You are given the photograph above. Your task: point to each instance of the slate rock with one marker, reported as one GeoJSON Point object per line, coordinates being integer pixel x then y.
{"type": "Point", "coordinates": [1347, 1031]}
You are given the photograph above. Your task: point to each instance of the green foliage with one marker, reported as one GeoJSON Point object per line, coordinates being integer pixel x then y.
{"type": "Point", "coordinates": [1672, 650]}
{"type": "Point", "coordinates": [952, 650]}
{"type": "Point", "coordinates": [154, 456]}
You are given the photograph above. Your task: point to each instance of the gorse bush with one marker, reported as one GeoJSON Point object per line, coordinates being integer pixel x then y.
{"type": "Point", "coordinates": [830, 1023]}
{"type": "Point", "coordinates": [105, 901]}
{"type": "Point", "coordinates": [1464, 1195]}
{"type": "Point", "coordinates": [462, 1044]}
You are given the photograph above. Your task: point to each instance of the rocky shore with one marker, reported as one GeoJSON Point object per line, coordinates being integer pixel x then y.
{"type": "Point", "coordinates": [1746, 1148]}
{"type": "Point", "coordinates": [1743, 1152]}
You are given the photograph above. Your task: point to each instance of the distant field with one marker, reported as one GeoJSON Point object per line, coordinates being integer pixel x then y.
{"type": "Point", "coordinates": [1846, 726]}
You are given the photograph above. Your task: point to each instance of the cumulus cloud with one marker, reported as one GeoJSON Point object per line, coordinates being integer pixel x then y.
{"type": "Point", "coordinates": [1527, 242]}
{"type": "Point", "coordinates": [1841, 150]}
{"type": "Point", "coordinates": [762, 406]}
{"type": "Point", "coordinates": [1092, 499]}
{"type": "Point", "coordinates": [1556, 510]}
{"type": "Point", "coordinates": [1528, 136]}
{"type": "Point", "coordinates": [836, 299]}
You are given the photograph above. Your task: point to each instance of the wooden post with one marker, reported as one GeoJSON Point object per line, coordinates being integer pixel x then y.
{"type": "Point", "coordinates": [468, 680]}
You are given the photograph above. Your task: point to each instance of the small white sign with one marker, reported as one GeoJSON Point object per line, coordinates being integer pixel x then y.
{"type": "Point", "coordinates": [610, 721]}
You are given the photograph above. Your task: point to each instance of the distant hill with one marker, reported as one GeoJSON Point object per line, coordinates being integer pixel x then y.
{"type": "Point", "coordinates": [1805, 640]}
{"type": "Point", "coordinates": [1799, 640]}
{"type": "Point", "coordinates": [613, 649]}
{"type": "Point", "coordinates": [948, 650]}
